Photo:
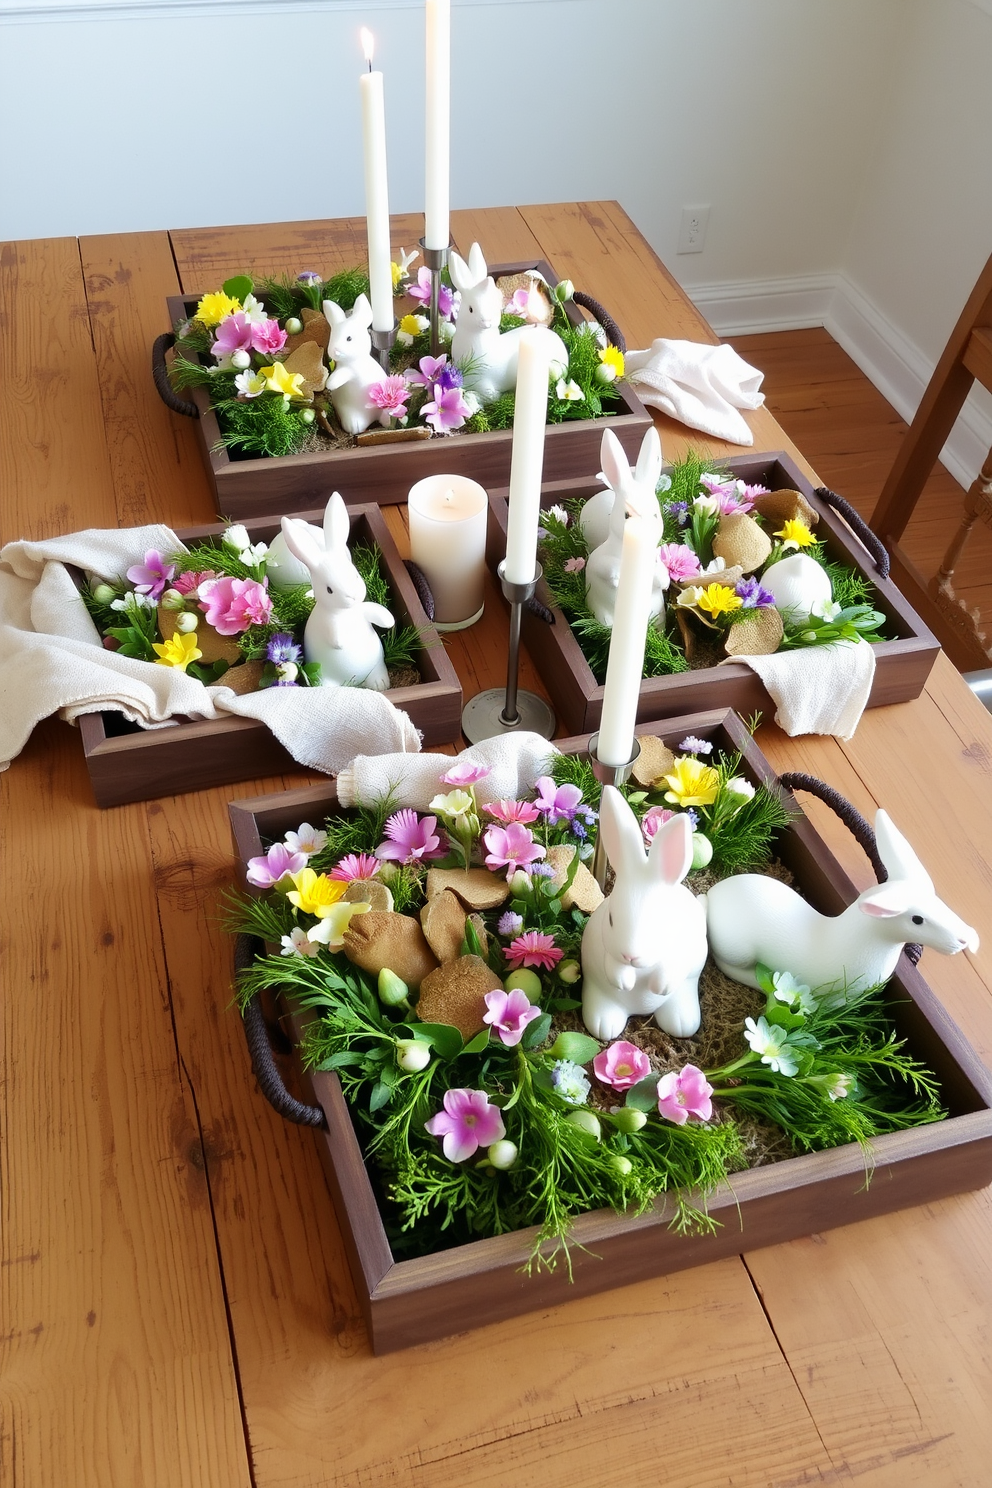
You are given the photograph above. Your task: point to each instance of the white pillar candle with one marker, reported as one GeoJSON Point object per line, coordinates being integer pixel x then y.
{"type": "Point", "coordinates": [626, 660]}
{"type": "Point", "coordinates": [527, 457]}
{"type": "Point", "coordinates": [376, 195]}
{"type": "Point", "coordinates": [448, 520]}
{"type": "Point", "coordinates": [436, 229]}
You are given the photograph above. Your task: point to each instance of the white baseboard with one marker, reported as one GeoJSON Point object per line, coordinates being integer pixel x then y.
{"type": "Point", "coordinates": [896, 367]}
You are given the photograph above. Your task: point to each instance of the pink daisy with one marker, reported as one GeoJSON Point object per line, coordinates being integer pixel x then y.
{"type": "Point", "coordinates": [533, 948]}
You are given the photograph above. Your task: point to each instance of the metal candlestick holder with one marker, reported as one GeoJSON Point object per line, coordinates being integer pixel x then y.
{"type": "Point", "coordinates": [607, 775]}
{"type": "Point", "coordinates": [382, 342]}
{"type": "Point", "coordinates": [435, 259]}
{"type": "Point", "coordinates": [496, 711]}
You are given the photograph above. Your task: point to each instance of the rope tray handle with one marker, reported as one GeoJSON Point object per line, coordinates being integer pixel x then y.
{"type": "Point", "coordinates": [859, 527]}
{"type": "Point", "coordinates": [614, 335]}
{"type": "Point", "coordinates": [861, 830]}
{"type": "Point", "coordinates": [270, 1081]}
{"type": "Point", "coordinates": [160, 374]}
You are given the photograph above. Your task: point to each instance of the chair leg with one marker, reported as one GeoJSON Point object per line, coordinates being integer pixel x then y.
{"type": "Point", "coordinates": [964, 622]}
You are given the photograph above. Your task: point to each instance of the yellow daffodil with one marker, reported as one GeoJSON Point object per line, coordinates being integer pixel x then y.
{"type": "Point", "coordinates": [278, 380]}
{"type": "Point", "coordinates": [213, 307]}
{"type": "Point", "coordinates": [611, 359]}
{"type": "Point", "coordinates": [412, 325]}
{"type": "Point", "coordinates": [315, 893]}
{"type": "Point", "coordinates": [691, 783]}
{"type": "Point", "coordinates": [178, 651]}
{"type": "Point", "coordinates": [795, 534]}
{"type": "Point", "coordinates": [334, 922]}
{"type": "Point", "coordinates": [719, 599]}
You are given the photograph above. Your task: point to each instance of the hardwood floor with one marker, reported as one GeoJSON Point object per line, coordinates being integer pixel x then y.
{"type": "Point", "coordinates": [851, 434]}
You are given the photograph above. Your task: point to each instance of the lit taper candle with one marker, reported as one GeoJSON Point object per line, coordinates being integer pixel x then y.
{"type": "Point", "coordinates": [626, 660]}
{"type": "Point", "coordinates": [436, 227]}
{"type": "Point", "coordinates": [376, 195]}
{"type": "Point", "coordinates": [530, 415]}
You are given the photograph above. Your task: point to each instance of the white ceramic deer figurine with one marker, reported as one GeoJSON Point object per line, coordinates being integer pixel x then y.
{"type": "Point", "coordinates": [355, 368]}
{"type": "Point", "coordinates": [645, 945]}
{"type": "Point", "coordinates": [339, 632]}
{"type": "Point", "coordinates": [490, 358]}
{"type": "Point", "coordinates": [633, 495]}
{"type": "Point", "coordinates": [752, 919]}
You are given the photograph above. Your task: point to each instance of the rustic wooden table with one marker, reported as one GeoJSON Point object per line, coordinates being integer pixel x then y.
{"type": "Point", "coordinates": [176, 1308]}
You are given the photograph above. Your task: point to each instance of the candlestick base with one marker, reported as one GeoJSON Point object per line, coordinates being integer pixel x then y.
{"type": "Point", "coordinates": [443, 626]}
{"type": "Point", "coordinates": [382, 342]}
{"type": "Point", "coordinates": [483, 716]}
{"type": "Point", "coordinates": [607, 775]}
{"type": "Point", "coordinates": [435, 259]}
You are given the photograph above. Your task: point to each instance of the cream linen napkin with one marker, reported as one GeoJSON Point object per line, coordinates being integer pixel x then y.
{"type": "Point", "coordinates": [819, 690]}
{"type": "Point", "coordinates": [52, 661]}
{"type": "Point", "coordinates": [514, 761]}
{"type": "Point", "coordinates": [702, 386]}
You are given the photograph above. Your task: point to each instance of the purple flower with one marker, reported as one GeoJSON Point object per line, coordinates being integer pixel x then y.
{"type": "Point", "coordinates": [465, 773]}
{"type": "Point", "coordinates": [467, 1122]}
{"type": "Point", "coordinates": [449, 377]}
{"type": "Point", "coordinates": [412, 839]}
{"type": "Point", "coordinates": [753, 596]}
{"type": "Point", "coordinates": [282, 648]}
{"type": "Point", "coordinates": [680, 511]}
{"type": "Point", "coordinates": [448, 409]}
{"type": "Point", "coordinates": [542, 870]}
{"type": "Point", "coordinates": [430, 371]}
{"type": "Point", "coordinates": [152, 576]}
{"type": "Point", "coordinates": [308, 276]}
{"type": "Point", "coordinates": [510, 847]}
{"type": "Point", "coordinates": [557, 803]}
{"type": "Point", "coordinates": [277, 863]}
{"type": "Point", "coordinates": [390, 395]}
{"type": "Point", "coordinates": [510, 924]}
{"type": "Point", "coordinates": [509, 1013]}
{"type": "Point", "coordinates": [421, 292]}
{"type": "Point", "coordinates": [691, 745]}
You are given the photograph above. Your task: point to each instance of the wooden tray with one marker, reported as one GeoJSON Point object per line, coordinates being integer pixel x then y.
{"type": "Point", "coordinates": [384, 473]}
{"type": "Point", "coordinates": [901, 665]}
{"type": "Point", "coordinates": [128, 763]}
{"type": "Point", "coordinates": [410, 1301]}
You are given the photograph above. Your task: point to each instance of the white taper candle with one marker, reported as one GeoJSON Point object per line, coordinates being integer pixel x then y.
{"type": "Point", "coordinates": [527, 457]}
{"type": "Point", "coordinates": [626, 661]}
{"type": "Point", "coordinates": [437, 151]}
{"type": "Point", "coordinates": [376, 194]}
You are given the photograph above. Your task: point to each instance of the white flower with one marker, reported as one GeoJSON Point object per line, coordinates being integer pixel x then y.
{"type": "Point", "coordinates": [740, 787]}
{"type": "Point", "coordinates": [298, 943]}
{"type": "Point", "coordinates": [135, 602]}
{"type": "Point", "coordinates": [237, 538]}
{"type": "Point", "coordinates": [568, 392]}
{"type": "Point", "coordinates": [330, 931]}
{"type": "Point", "coordinates": [471, 402]}
{"type": "Point", "coordinates": [307, 840]}
{"type": "Point", "coordinates": [825, 609]}
{"type": "Point", "coordinates": [250, 384]}
{"type": "Point", "coordinates": [559, 514]}
{"type": "Point", "coordinates": [791, 992]}
{"type": "Point", "coordinates": [254, 310]}
{"type": "Point", "coordinates": [840, 1086]}
{"type": "Point", "coordinates": [253, 555]}
{"type": "Point", "coordinates": [772, 1043]}
{"type": "Point", "coordinates": [447, 330]}
{"type": "Point", "coordinates": [570, 1081]}
{"type": "Point", "coordinates": [715, 565]}
{"type": "Point", "coordinates": [690, 597]}
{"type": "Point", "coordinates": [708, 505]}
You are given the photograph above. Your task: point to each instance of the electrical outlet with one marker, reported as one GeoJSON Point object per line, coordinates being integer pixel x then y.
{"type": "Point", "coordinates": [692, 232]}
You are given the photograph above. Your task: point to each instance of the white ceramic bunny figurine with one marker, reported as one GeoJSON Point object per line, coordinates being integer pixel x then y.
{"type": "Point", "coordinates": [355, 368]}
{"type": "Point", "coordinates": [491, 358]}
{"type": "Point", "coordinates": [634, 496]}
{"type": "Point", "coordinates": [752, 919]}
{"type": "Point", "coordinates": [339, 632]}
{"type": "Point", "coordinates": [644, 947]}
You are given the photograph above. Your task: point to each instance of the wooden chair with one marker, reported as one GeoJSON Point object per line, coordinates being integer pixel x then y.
{"type": "Point", "coordinates": [967, 358]}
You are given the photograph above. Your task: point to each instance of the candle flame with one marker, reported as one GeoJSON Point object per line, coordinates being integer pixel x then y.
{"type": "Point", "coordinates": [368, 44]}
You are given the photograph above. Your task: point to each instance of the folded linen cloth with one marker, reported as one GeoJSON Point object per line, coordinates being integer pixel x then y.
{"type": "Point", "coordinates": [514, 762]}
{"type": "Point", "coordinates": [52, 661]}
{"type": "Point", "coordinates": [702, 386]}
{"type": "Point", "coordinates": [819, 690]}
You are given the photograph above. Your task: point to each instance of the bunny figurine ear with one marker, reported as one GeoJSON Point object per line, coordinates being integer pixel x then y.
{"type": "Point", "coordinates": [459, 271]}
{"type": "Point", "coordinates": [477, 264]}
{"type": "Point", "coordinates": [616, 467]}
{"type": "Point", "coordinates": [337, 523]}
{"type": "Point", "coordinates": [621, 833]}
{"type": "Point", "coordinates": [896, 853]}
{"type": "Point", "coordinates": [301, 542]}
{"type": "Point", "coordinates": [333, 314]}
{"type": "Point", "coordinates": [670, 853]}
{"type": "Point", "coordinates": [648, 472]}
{"type": "Point", "coordinates": [362, 311]}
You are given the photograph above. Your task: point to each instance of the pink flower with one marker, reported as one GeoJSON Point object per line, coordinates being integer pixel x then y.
{"type": "Point", "coordinates": [185, 583]}
{"type": "Point", "coordinates": [152, 576]}
{"type": "Point", "coordinates": [412, 839]}
{"type": "Point", "coordinates": [750, 494]}
{"type": "Point", "coordinates": [715, 484]}
{"type": "Point", "coordinates": [467, 1123]}
{"type": "Point", "coordinates": [267, 337]}
{"type": "Point", "coordinates": [232, 605]}
{"type": "Point", "coordinates": [390, 395]}
{"type": "Point", "coordinates": [574, 565]}
{"type": "Point", "coordinates": [421, 292]}
{"type": "Point", "coordinates": [680, 560]}
{"type": "Point", "coordinates": [557, 803]}
{"type": "Point", "coordinates": [465, 773]}
{"type": "Point", "coordinates": [354, 866]}
{"type": "Point", "coordinates": [430, 370]}
{"type": "Point", "coordinates": [510, 847]}
{"type": "Point", "coordinates": [653, 818]}
{"type": "Point", "coordinates": [509, 1013]}
{"type": "Point", "coordinates": [685, 1094]}
{"type": "Point", "coordinates": [533, 948]}
{"type": "Point", "coordinates": [447, 410]}
{"type": "Point", "coordinates": [621, 1065]}
{"type": "Point", "coordinates": [233, 334]}
{"type": "Point", "coordinates": [513, 811]}
{"type": "Point", "coordinates": [278, 861]}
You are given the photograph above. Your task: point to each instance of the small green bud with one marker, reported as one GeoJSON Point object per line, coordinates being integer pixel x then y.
{"type": "Point", "coordinates": [293, 326]}
{"type": "Point", "coordinates": [627, 1119]}
{"type": "Point", "coordinates": [585, 1121]}
{"type": "Point", "coordinates": [605, 373]}
{"type": "Point", "coordinates": [623, 1165]}
{"type": "Point", "coordinates": [172, 600]}
{"type": "Point", "coordinates": [564, 290]}
{"type": "Point", "coordinates": [526, 981]}
{"type": "Point", "coordinates": [702, 851]}
{"type": "Point", "coordinates": [502, 1155]}
{"type": "Point", "coordinates": [240, 360]}
{"type": "Point", "coordinates": [187, 622]}
{"type": "Point", "coordinates": [104, 594]}
{"type": "Point", "coordinates": [393, 991]}
{"type": "Point", "coordinates": [569, 972]}
{"type": "Point", "coordinates": [388, 872]}
{"type": "Point", "coordinates": [521, 885]}
{"type": "Point", "coordinates": [412, 1055]}
{"type": "Point", "coordinates": [308, 415]}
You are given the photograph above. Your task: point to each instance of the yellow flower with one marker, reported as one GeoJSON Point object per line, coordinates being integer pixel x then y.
{"type": "Point", "coordinates": [611, 356]}
{"type": "Point", "coordinates": [719, 599]}
{"type": "Point", "coordinates": [213, 307]}
{"type": "Point", "coordinates": [410, 325]}
{"type": "Point", "coordinates": [795, 534]}
{"type": "Point", "coordinates": [692, 783]}
{"type": "Point", "coordinates": [178, 651]}
{"type": "Point", "coordinates": [315, 893]}
{"type": "Point", "coordinates": [334, 922]}
{"type": "Point", "coordinates": [397, 272]}
{"type": "Point", "coordinates": [278, 380]}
